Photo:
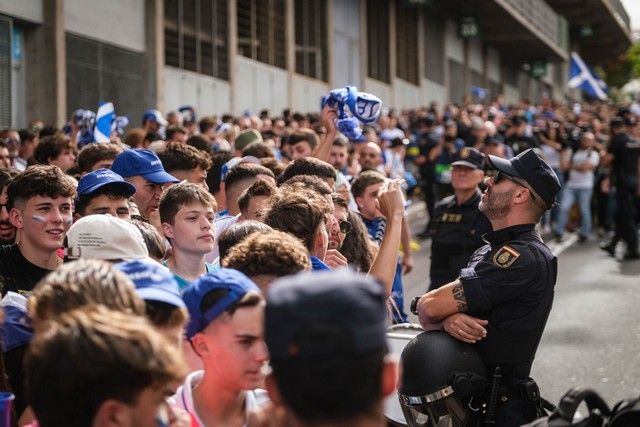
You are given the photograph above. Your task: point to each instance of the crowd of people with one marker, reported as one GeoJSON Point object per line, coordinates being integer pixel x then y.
{"type": "Point", "coordinates": [149, 280]}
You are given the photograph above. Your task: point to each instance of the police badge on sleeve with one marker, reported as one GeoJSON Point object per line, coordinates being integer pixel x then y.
{"type": "Point", "coordinates": [505, 256]}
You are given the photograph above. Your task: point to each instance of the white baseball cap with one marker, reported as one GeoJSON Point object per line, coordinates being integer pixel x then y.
{"type": "Point", "coordinates": [105, 237]}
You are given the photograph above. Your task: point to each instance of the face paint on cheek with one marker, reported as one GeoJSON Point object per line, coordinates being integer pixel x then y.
{"type": "Point", "coordinates": [38, 218]}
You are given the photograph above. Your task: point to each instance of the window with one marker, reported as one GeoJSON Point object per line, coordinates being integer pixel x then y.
{"type": "Point", "coordinates": [456, 81]}
{"type": "Point", "coordinates": [261, 31]}
{"type": "Point", "coordinates": [407, 44]}
{"type": "Point", "coordinates": [101, 72]}
{"type": "Point", "coordinates": [311, 38]}
{"type": "Point", "coordinates": [196, 36]}
{"type": "Point", "coordinates": [434, 42]}
{"type": "Point", "coordinates": [378, 40]}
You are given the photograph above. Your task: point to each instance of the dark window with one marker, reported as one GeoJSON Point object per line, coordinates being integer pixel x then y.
{"type": "Point", "coordinates": [495, 88]}
{"type": "Point", "coordinates": [378, 40]}
{"type": "Point", "coordinates": [407, 43]}
{"type": "Point", "coordinates": [262, 31]}
{"type": "Point", "coordinates": [476, 79]}
{"type": "Point", "coordinates": [434, 43]}
{"type": "Point", "coordinates": [101, 72]}
{"type": "Point", "coordinates": [195, 36]}
{"type": "Point", "coordinates": [511, 74]}
{"type": "Point", "coordinates": [5, 72]}
{"type": "Point", "coordinates": [311, 38]}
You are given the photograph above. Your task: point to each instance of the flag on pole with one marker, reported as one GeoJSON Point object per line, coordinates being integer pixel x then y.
{"type": "Point", "coordinates": [104, 119]}
{"type": "Point", "coordinates": [583, 77]}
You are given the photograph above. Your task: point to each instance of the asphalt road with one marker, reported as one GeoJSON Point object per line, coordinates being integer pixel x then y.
{"type": "Point", "coordinates": [592, 337]}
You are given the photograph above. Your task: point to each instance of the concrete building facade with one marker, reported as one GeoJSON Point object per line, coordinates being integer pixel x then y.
{"type": "Point", "coordinates": [235, 55]}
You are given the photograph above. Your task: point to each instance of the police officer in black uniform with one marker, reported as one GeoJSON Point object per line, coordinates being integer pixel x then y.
{"type": "Point", "coordinates": [623, 154]}
{"type": "Point", "coordinates": [457, 226]}
{"type": "Point", "coordinates": [503, 297]}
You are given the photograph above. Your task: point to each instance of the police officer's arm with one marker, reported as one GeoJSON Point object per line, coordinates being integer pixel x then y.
{"type": "Point", "coordinates": [438, 304]}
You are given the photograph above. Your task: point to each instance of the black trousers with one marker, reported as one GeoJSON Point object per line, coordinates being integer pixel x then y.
{"type": "Point", "coordinates": [626, 228]}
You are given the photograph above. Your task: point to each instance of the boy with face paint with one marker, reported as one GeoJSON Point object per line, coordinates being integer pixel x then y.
{"type": "Point", "coordinates": [40, 205]}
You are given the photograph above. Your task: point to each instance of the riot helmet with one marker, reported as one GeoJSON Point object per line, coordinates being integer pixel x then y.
{"type": "Point", "coordinates": [441, 377]}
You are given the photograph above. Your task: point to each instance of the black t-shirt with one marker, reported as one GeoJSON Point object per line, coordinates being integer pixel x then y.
{"type": "Point", "coordinates": [17, 274]}
{"type": "Point", "coordinates": [626, 152]}
{"type": "Point", "coordinates": [428, 141]}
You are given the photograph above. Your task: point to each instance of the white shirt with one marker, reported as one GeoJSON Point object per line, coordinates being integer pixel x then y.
{"type": "Point", "coordinates": [184, 397]}
{"type": "Point", "coordinates": [579, 179]}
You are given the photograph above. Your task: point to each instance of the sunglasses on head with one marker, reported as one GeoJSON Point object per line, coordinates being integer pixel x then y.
{"type": "Point", "coordinates": [345, 226]}
{"type": "Point", "coordinates": [501, 176]}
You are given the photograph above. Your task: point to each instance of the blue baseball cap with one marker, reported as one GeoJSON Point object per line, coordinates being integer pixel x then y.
{"type": "Point", "coordinates": [100, 178]}
{"type": "Point", "coordinates": [153, 281]}
{"type": "Point", "coordinates": [329, 314]}
{"type": "Point", "coordinates": [234, 282]}
{"type": "Point", "coordinates": [141, 162]}
{"type": "Point", "coordinates": [154, 115]}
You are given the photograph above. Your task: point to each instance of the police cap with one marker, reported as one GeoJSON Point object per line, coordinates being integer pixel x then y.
{"type": "Point", "coordinates": [470, 157]}
{"type": "Point", "coordinates": [533, 170]}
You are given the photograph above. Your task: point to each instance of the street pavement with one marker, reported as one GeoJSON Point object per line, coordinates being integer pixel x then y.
{"type": "Point", "coordinates": [592, 337]}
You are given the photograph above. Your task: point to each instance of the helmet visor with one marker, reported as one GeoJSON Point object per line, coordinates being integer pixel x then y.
{"type": "Point", "coordinates": [440, 409]}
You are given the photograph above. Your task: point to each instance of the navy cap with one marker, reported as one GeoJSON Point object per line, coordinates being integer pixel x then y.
{"type": "Point", "coordinates": [328, 314]}
{"type": "Point", "coordinates": [144, 163]}
{"type": "Point", "coordinates": [533, 170]}
{"type": "Point", "coordinates": [234, 282]}
{"type": "Point", "coordinates": [470, 157]}
{"type": "Point", "coordinates": [153, 281]}
{"type": "Point", "coordinates": [101, 177]}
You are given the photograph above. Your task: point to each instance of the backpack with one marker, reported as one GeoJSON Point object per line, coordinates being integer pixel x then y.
{"type": "Point", "coordinates": [625, 413]}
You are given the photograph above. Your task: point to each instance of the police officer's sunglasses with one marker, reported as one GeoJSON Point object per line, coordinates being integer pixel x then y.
{"type": "Point", "coordinates": [345, 226]}
{"type": "Point", "coordinates": [500, 176]}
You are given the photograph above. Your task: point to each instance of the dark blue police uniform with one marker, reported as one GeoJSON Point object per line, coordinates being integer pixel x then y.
{"type": "Point", "coordinates": [456, 229]}
{"type": "Point", "coordinates": [510, 282]}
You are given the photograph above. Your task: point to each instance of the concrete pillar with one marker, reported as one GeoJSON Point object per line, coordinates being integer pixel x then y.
{"type": "Point", "coordinates": [154, 54]}
{"type": "Point", "coordinates": [290, 43]}
{"type": "Point", "coordinates": [232, 34]}
{"type": "Point", "coordinates": [46, 94]}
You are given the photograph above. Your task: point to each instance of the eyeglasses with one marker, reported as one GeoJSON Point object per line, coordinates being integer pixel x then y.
{"type": "Point", "coordinates": [500, 176]}
{"type": "Point", "coordinates": [345, 226]}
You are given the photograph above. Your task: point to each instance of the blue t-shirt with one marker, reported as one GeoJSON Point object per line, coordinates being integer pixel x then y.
{"type": "Point", "coordinates": [184, 283]}
{"type": "Point", "coordinates": [318, 265]}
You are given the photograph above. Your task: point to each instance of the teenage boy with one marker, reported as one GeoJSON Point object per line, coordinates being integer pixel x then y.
{"type": "Point", "coordinates": [164, 306]}
{"type": "Point", "coordinates": [40, 204]}
{"type": "Point", "coordinates": [57, 150]}
{"type": "Point", "coordinates": [305, 215]}
{"type": "Point", "coordinates": [187, 214]}
{"type": "Point", "coordinates": [226, 313]}
{"type": "Point", "coordinates": [117, 371]}
{"type": "Point", "coordinates": [143, 169]}
{"type": "Point", "coordinates": [185, 163]}
{"type": "Point", "coordinates": [366, 189]}
{"type": "Point", "coordinates": [97, 156]}
{"type": "Point", "coordinates": [326, 338]}
{"type": "Point", "coordinates": [103, 192]}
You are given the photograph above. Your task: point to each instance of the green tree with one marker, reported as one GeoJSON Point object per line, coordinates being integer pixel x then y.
{"type": "Point", "coordinates": [625, 67]}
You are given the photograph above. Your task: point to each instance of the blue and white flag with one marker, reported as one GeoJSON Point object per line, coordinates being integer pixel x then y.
{"type": "Point", "coordinates": [104, 118]}
{"type": "Point", "coordinates": [583, 77]}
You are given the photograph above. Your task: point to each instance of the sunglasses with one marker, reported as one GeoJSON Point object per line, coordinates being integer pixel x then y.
{"type": "Point", "coordinates": [501, 176]}
{"type": "Point", "coordinates": [345, 226]}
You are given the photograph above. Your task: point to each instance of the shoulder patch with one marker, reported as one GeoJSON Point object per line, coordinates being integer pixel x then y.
{"type": "Point", "coordinates": [505, 256]}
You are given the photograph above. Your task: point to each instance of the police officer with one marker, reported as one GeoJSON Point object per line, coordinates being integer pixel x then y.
{"type": "Point", "coordinates": [623, 154]}
{"type": "Point", "coordinates": [502, 299]}
{"type": "Point", "coordinates": [458, 225]}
